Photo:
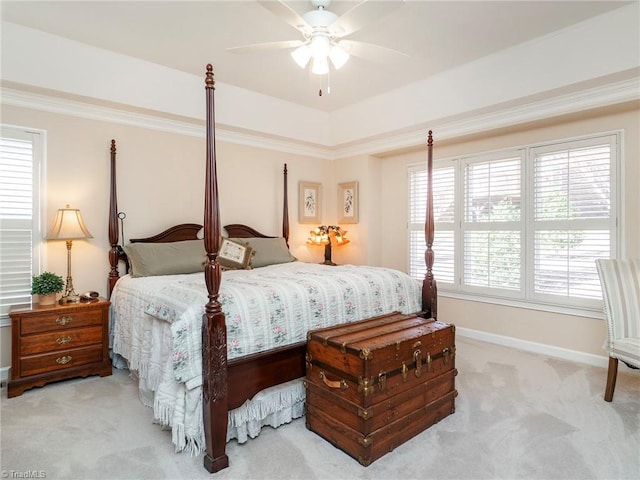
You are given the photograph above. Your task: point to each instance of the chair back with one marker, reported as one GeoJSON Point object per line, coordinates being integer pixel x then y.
{"type": "Point", "coordinates": [620, 280]}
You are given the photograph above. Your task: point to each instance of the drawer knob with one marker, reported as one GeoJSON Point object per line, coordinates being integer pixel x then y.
{"type": "Point", "coordinates": [63, 320]}
{"type": "Point", "coordinates": [64, 360]}
{"type": "Point", "coordinates": [63, 340]}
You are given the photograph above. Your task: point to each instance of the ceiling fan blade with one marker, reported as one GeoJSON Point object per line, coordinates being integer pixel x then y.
{"type": "Point", "coordinates": [365, 13]}
{"type": "Point", "coordinates": [286, 13]}
{"type": "Point", "coordinates": [371, 52]}
{"type": "Point", "coordinates": [261, 47]}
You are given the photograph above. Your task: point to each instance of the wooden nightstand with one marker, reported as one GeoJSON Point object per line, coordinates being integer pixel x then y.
{"type": "Point", "coordinates": [57, 342]}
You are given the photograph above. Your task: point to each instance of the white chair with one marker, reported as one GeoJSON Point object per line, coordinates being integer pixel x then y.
{"type": "Point", "coordinates": [620, 280]}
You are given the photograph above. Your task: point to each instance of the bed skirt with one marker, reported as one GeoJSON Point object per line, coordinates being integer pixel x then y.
{"type": "Point", "coordinates": [272, 407]}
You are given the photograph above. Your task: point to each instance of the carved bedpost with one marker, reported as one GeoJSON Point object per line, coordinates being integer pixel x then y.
{"type": "Point", "coordinates": [285, 209]}
{"type": "Point", "coordinates": [113, 223]}
{"type": "Point", "coordinates": [429, 288]}
{"type": "Point", "coordinates": [214, 330]}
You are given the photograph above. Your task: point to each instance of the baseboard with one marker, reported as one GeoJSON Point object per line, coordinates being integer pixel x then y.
{"type": "Point", "coordinates": [550, 350]}
{"type": "Point", "coordinates": [4, 375]}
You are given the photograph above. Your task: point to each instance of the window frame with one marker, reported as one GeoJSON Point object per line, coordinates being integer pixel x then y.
{"type": "Point", "coordinates": [37, 138]}
{"type": "Point", "coordinates": [525, 297]}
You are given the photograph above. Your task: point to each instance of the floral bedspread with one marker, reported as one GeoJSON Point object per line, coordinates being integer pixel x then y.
{"type": "Point", "coordinates": [275, 306]}
{"type": "Point", "coordinates": [156, 327]}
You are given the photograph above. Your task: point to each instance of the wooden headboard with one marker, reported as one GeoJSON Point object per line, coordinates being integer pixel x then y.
{"type": "Point", "coordinates": [238, 230]}
{"type": "Point", "coordinates": [176, 233]}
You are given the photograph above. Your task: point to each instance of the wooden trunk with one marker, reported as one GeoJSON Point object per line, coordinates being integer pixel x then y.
{"type": "Point", "coordinates": [374, 384]}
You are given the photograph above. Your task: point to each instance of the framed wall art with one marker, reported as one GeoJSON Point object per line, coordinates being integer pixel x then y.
{"type": "Point", "coordinates": [309, 202]}
{"type": "Point", "coordinates": [348, 202]}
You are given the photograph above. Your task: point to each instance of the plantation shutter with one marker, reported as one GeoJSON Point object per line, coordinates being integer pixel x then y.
{"type": "Point", "coordinates": [572, 216]}
{"type": "Point", "coordinates": [523, 226]}
{"type": "Point", "coordinates": [492, 226]}
{"type": "Point", "coordinates": [444, 218]}
{"type": "Point", "coordinates": [20, 154]}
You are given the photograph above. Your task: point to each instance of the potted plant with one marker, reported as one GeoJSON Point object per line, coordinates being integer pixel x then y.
{"type": "Point", "coordinates": [46, 285]}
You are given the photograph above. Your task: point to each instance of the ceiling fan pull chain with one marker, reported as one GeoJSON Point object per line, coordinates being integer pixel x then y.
{"type": "Point", "coordinates": [328, 90]}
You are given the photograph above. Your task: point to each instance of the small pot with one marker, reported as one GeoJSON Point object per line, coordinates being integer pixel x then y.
{"type": "Point", "coordinates": [47, 299]}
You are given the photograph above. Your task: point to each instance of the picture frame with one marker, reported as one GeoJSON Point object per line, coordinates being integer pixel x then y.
{"type": "Point", "coordinates": [348, 202]}
{"type": "Point", "coordinates": [309, 202]}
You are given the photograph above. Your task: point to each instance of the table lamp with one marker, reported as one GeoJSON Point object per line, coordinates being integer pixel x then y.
{"type": "Point", "coordinates": [69, 226]}
{"type": "Point", "coordinates": [323, 234]}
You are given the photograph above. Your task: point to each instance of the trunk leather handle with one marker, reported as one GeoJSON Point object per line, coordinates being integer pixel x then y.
{"type": "Point", "coordinates": [417, 357]}
{"type": "Point", "coordinates": [341, 384]}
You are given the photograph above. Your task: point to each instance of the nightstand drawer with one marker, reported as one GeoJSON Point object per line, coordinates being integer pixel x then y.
{"type": "Point", "coordinates": [60, 360]}
{"type": "Point", "coordinates": [63, 340]}
{"type": "Point", "coordinates": [50, 343]}
{"type": "Point", "coordinates": [60, 320]}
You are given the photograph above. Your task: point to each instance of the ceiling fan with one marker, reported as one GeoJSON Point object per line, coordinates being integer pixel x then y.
{"type": "Point", "coordinates": [324, 34]}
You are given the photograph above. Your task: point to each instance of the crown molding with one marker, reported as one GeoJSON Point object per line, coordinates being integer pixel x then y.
{"type": "Point", "coordinates": [280, 145]}
{"type": "Point", "coordinates": [585, 99]}
{"type": "Point", "coordinates": [75, 108]}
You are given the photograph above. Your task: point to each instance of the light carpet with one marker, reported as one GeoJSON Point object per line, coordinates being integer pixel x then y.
{"type": "Point", "coordinates": [518, 415]}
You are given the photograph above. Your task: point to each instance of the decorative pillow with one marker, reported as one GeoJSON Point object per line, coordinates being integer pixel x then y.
{"type": "Point", "coordinates": [268, 251]}
{"type": "Point", "coordinates": [234, 255]}
{"type": "Point", "coordinates": [150, 259]}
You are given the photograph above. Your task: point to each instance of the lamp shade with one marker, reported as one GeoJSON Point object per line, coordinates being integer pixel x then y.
{"type": "Point", "coordinates": [68, 225]}
{"type": "Point", "coordinates": [338, 56]}
{"type": "Point", "coordinates": [320, 66]}
{"type": "Point", "coordinates": [319, 236]}
{"type": "Point", "coordinates": [319, 49]}
{"type": "Point", "coordinates": [301, 55]}
{"type": "Point", "coordinates": [322, 235]}
{"type": "Point", "coordinates": [320, 46]}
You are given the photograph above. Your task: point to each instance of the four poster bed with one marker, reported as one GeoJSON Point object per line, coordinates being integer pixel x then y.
{"type": "Point", "coordinates": [231, 380]}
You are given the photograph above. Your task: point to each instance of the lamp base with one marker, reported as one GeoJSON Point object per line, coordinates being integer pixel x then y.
{"type": "Point", "coordinates": [70, 299]}
{"type": "Point", "coordinates": [69, 295]}
{"type": "Point", "coordinates": [327, 255]}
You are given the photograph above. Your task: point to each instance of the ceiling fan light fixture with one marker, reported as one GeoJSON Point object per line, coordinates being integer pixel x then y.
{"type": "Point", "coordinates": [320, 66]}
{"type": "Point", "coordinates": [338, 56]}
{"type": "Point", "coordinates": [301, 55]}
{"type": "Point", "coordinates": [319, 18]}
{"type": "Point", "coordinates": [320, 46]}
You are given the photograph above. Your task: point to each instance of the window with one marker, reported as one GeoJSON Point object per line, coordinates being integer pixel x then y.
{"type": "Point", "coordinates": [444, 217]}
{"type": "Point", "coordinates": [20, 162]}
{"type": "Point", "coordinates": [522, 225]}
{"type": "Point", "coordinates": [492, 227]}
